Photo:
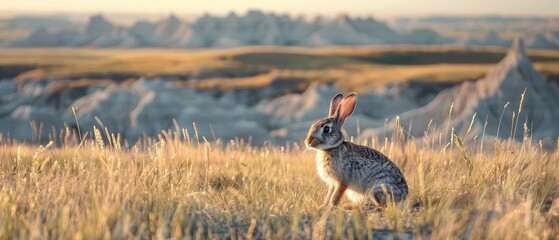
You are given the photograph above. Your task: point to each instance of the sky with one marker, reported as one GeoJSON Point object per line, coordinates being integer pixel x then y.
{"type": "Point", "coordinates": [305, 7]}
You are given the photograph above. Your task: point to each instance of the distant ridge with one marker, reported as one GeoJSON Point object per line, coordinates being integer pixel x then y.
{"type": "Point", "coordinates": [254, 28]}
{"type": "Point", "coordinates": [260, 28]}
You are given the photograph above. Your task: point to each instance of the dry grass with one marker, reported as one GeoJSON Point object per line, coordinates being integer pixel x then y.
{"type": "Point", "coordinates": [12, 35]}
{"type": "Point", "coordinates": [353, 66]}
{"type": "Point", "coordinates": [176, 186]}
{"type": "Point", "coordinates": [179, 185]}
{"type": "Point", "coordinates": [76, 62]}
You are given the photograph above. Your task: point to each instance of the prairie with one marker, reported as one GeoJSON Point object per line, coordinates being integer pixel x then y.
{"type": "Point", "coordinates": [353, 68]}
{"type": "Point", "coordinates": [181, 185]}
{"type": "Point", "coordinates": [91, 184]}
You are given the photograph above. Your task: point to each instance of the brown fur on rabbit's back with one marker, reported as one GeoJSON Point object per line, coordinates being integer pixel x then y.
{"type": "Point", "coordinates": [362, 169]}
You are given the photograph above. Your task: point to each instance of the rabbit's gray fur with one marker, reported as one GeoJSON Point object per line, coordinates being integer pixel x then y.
{"type": "Point", "coordinates": [358, 171]}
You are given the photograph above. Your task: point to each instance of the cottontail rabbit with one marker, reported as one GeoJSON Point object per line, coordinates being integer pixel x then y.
{"type": "Point", "coordinates": [359, 171]}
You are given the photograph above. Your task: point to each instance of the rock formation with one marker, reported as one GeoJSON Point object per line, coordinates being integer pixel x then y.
{"type": "Point", "coordinates": [513, 81]}
{"type": "Point", "coordinates": [146, 107]}
{"type": "Point", "coordinates": [254, 28]}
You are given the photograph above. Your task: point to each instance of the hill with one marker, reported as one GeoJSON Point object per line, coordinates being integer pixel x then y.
{"type": "Point", "coordinates": [257, 28]}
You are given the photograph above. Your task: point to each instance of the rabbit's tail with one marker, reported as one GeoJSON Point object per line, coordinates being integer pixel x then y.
{"type": "Point", "coordinates": [382, 193]}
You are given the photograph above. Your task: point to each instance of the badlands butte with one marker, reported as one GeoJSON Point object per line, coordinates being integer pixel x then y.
{"type": "Point", "coordinates": [271, 29]}
{"type": "Point", "coordinates": [272, 94]}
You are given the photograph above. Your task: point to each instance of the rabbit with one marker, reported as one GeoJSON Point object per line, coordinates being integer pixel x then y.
{"type": "Point", "coordinates": [360, 172]}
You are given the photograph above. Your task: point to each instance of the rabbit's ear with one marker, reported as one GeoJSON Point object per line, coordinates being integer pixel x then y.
{"type": "Point", "coordinates": [346, 108]}
{"type": "Point", "coordinates": [335, 103]}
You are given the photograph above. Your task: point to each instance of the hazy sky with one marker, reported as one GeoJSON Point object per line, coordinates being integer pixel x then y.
{"type": "Point", "coordinates": [328, 7]}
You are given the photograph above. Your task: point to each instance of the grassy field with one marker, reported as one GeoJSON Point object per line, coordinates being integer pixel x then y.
{"type": "Point", "coordinates": [179, 185]}
{"type": "Point", "coordinates": [176, 186]}
{"type": "Point", "coordinates": [353, 68]}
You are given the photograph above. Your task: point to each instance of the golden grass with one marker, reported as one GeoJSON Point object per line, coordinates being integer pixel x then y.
{"type": "Point", "coordinates": [76, 62]}
{"type": "Point", "coordinates": [548, 67]}
{"type": "Point", "coordinates": [12, 35]}
{"type": "Point", "coordinates": [346, 65]}
{"type": "Point", "coordinates": [179, 185]}
{"type": "Point", "coordinates": [175, 186]}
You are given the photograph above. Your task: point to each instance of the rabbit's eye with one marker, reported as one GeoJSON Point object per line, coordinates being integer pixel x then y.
{"type": "Point", "coordinates": [326, 129]}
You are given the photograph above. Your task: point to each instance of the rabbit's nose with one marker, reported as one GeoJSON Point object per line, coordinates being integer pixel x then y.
{"type": "Point", "coordinates": [312, 142]}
